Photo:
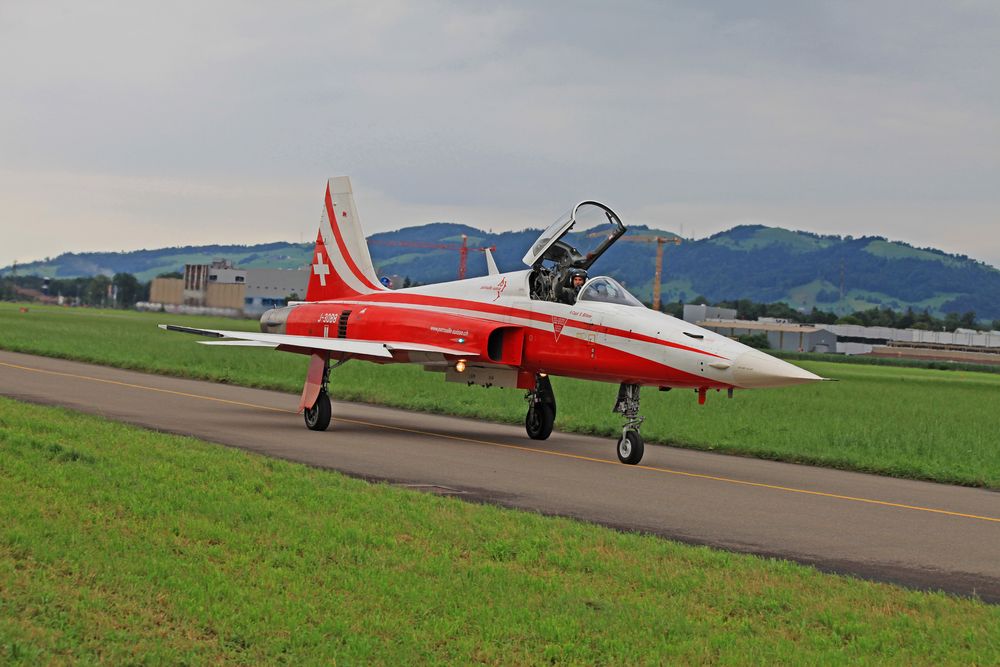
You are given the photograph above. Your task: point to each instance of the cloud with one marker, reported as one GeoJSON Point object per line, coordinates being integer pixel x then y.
{"type": "Point", "coordinates": [186, 117]}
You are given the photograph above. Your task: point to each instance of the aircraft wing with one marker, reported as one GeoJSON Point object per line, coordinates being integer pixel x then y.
{"type": "Point", "coordinates": [349, 346]}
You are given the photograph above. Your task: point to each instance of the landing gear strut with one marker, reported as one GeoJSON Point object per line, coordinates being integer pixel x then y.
{"type": "Point", "coordinates": [630, 445]}
{"type": "Point", "coordinates": [317, 417]}
{"type": "Point", "coordinates": [541, 409]}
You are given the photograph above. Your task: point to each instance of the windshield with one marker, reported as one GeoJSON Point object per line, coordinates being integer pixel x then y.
{"type": "Point", "coordinates": [608, 290]}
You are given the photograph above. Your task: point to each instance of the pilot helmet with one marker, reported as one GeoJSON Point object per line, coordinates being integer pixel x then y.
{"type": "Point", "coordinates": [577, 272]}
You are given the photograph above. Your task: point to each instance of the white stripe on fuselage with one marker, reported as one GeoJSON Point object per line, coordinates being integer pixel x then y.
{"type": "Point", "coordinates": [654, 352]}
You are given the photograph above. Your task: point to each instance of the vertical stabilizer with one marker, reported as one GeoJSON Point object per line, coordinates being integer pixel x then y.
{"type": "Point", "coordinates": [341, 266]}
{"type": "Point", "coordinates": [491, 265]}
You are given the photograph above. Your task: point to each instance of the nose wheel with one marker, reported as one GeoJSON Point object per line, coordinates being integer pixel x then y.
{"type": "Point", "coordinates": [630, 444]}
{"type": "Point", "coordinates": [630, 448]}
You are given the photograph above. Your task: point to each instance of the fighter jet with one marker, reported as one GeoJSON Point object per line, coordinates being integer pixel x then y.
{"type": "Point", "coordinates": [512, 329]}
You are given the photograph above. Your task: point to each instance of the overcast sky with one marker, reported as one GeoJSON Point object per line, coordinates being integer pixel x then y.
{"type": "Point", "coordinates": [126, 125]}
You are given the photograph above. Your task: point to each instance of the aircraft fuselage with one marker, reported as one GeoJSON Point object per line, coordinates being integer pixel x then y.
{"type": "Point", "coordinates": [499, 324]}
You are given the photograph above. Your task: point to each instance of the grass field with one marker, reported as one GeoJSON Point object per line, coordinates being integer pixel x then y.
{"type": "Point", "coordinates": [125, 546]}
{"type": "Point", "coordinates": [907, 422]}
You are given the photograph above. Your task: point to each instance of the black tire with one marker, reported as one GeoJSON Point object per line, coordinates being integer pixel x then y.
{"type": "Point", "coordinates": [318, 416]}
{"type": "Point", "coordinates": [546, 394]}
{"type": "Point", "coordinates": [539, 420]}
{"type": "Point", "coordinates": [630, 448]}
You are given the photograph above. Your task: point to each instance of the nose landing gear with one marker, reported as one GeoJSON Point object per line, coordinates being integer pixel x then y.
{"type": "Point", "coordinates": [630, 445]}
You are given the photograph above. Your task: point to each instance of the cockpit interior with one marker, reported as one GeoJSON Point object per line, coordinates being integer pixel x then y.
{"type": "Point", "coordinates": [568, 247]}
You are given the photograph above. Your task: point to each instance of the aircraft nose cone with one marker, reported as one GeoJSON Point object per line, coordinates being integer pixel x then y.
{"type": "Point", "coordinates": [755, 369]}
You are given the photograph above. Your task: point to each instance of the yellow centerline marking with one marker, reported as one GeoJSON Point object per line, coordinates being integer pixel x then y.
{"type": "Point", "coordinates": [146, 387]}
{"type": "Point", "coordinates": [579, 457]}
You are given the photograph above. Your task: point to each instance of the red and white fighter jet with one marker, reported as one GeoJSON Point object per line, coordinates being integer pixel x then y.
{"type": "Point", "coordinates": [504, 329]}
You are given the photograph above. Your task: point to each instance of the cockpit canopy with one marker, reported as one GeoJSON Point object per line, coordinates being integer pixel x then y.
{"type": "Point", "coordinates": [607, 290]}
{"type": "Point", "coordinates": [595, 228]}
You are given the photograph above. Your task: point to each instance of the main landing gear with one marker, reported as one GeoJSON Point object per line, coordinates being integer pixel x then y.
{"type": "Point", "coordinates": [317, 417]}
{"type": "Point", "coordinates": [630, 445]}
{"type": "Point", "coordinates": [541, 409]}
{"type": "Point", "coordinates": [542, 414]}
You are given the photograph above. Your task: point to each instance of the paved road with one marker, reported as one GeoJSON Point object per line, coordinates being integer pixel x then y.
{"type": "Point", "coordinates": [914, 533]}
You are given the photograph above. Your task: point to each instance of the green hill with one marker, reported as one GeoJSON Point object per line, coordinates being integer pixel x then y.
{"type": "Point", "coordinates": [147, 264]}
{"type": "Point", "coordinates": [763, 264]}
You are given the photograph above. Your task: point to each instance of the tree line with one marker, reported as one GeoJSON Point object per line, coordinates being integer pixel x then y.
{"type": "Point", "coordinates": [871, 317]}
{"type": "Point", "coordinates": [122, 290]}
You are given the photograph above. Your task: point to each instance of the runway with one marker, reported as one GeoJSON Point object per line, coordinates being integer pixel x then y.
{"type": "Point", "coordinates": [917, 534]}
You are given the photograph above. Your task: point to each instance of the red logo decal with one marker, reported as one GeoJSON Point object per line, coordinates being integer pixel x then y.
{"type": "Point", "coordinates": [498, 288]}
{"type": "Point", "coordinates": [557, 326]}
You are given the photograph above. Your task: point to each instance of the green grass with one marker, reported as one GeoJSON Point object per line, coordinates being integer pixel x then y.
{"type": "Point", "coordinates": [899, 362]}
{"type": "Point", "coordinates": [907, 422]}
{"type": "Point", "coordinates": [795, 241]}
{"type": "Point", "coordinates": [857, 299]}
{"type": "Point", "coordinates": [124, 546]}
{"type": "Point", "coordinates": [902, 251]}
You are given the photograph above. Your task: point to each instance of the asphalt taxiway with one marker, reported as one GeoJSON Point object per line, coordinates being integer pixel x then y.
{"type": "Point", "coordinates": [917, 534]}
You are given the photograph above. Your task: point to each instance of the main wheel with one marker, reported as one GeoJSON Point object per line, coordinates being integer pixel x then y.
{"type": "Point", "coordinates": [630, 448]}
{"type": "Point", "coordinates": [318, 416]}
{"type": "Point", "coordinates": [539, 420]}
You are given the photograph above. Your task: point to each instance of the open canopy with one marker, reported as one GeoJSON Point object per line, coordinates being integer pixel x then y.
{"type": "Point", "coordinates": [595, 227]}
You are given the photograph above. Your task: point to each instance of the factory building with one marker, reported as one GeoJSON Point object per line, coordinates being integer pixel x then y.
{"type": "Point", "coordinates": [961, 345]}
{"type": "Point", "coordinates": [781, 334]}
{"type": "Point", "coordinates": [271, 288]}
{"type": "Point", "coordinates": [703, 312]}
{"type": "Point", "coordinates": [220, 288]}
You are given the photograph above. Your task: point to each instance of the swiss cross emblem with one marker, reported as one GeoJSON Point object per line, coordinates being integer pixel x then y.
{"type": "Point", "coordinates": [321, 269]}
{"type": "Point", "coordinates": [557, 326]}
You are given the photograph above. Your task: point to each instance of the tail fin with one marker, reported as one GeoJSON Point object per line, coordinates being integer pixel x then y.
{"type": "Point", "coordinates": [341, 264]}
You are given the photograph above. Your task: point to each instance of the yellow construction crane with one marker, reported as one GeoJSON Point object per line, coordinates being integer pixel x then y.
{"type": "Point", "coordinates": [660, 241]}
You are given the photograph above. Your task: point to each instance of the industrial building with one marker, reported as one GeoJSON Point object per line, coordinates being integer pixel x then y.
{"type": "Point", "coordinates": [960, 345]}
{"type": "Point", "coordinates": [220, 288]}
{"type": "Point", "coordinates": [781, 334]}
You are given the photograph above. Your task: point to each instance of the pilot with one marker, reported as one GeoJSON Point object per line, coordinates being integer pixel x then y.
{"type": "Point", "coordinates": [568, 294]}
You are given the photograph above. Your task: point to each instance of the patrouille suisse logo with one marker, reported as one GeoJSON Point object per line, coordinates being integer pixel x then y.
{"type": "Point", "coordinates": [557, 326]}
{"type": "Point", "coordinates": [498, 288]}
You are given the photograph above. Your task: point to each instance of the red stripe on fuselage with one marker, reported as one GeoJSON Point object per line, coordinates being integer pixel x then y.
{"type": "Point", "coordinates": [448, 302]}
{"type": "Point", "coordinates": [569, 355]}
{"type": "Point", "coordinates": [334, 224]}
